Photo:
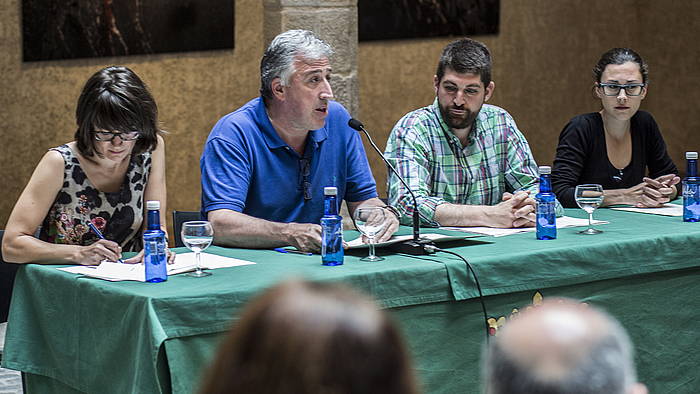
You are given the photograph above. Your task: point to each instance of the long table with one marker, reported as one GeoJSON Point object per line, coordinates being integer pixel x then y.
{"type": "Point", "coordinates": [70, 333]}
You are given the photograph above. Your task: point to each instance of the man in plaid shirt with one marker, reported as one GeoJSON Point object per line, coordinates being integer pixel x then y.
{"type": "Point", "coordinates": [466, 161]}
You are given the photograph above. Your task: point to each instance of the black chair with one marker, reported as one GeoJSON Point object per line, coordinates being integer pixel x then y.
{"type": "Point", "coordinates": [7, 280]}
{"type": "Point", "coordinates": [180, 217]}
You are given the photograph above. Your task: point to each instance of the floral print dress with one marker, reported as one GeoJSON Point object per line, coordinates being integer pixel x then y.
{"type": "Point", "coordinates": [117, 215]}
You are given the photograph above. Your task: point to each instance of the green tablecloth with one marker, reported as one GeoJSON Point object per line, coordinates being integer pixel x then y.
{"type": "Point", "coordinates": [70, 332]}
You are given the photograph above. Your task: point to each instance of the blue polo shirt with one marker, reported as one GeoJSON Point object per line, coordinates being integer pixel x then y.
{"type": "Point", "coordinates": [246, 167]}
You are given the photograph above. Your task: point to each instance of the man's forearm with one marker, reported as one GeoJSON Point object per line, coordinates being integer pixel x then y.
{"type": "Point", "coordinates": [235, 229]}
{"type": "Point", "coordinates": [515, 211]}
{"type": "Point", "coordinates": [463, 215]}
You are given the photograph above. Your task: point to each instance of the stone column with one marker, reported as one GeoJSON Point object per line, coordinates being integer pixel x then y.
{"type": "Point", "coordinates": [334, 21]}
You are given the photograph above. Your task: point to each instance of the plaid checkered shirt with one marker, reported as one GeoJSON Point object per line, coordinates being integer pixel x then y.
{"type": "Point", "coordinates": [431, 159]}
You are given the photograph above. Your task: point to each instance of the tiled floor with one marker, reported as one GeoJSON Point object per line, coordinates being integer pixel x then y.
{"type": "Point", "coordinates": [10, 381]}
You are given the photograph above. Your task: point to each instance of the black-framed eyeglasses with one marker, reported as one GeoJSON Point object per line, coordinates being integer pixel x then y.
{"type": "Point", "coordinates": [631, 89]}
{"type": "Point", "coordinates": [305, 169]}
{"type": "Point", "coordinates": [109, 135]}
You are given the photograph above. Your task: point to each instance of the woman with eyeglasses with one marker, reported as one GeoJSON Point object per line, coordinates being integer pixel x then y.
{"type": "Point", "coordinates": [619, 147]}
{"type": "Point", "coordinates": [103, 178]}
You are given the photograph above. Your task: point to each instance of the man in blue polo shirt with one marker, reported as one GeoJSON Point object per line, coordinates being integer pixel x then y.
{"type": "Point", "coordinates": [265, 165]}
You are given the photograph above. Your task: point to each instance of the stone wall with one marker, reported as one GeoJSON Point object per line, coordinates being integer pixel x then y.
{"type": "Point", "coordinates": [543, 55]}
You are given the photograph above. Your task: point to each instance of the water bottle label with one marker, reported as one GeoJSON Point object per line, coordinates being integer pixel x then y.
{"type": "Point", "coordinates": [155, 251]}
{"type": "Point", "coordinates": [546, 209]}
{"type": "Point", "coordinates": [332, 240]}
{"type": "Point", "coordinates": [161, 251]}
{"type": "Point", "coordinates": [332, 236]}
{"type": "Point", "coordinates": [691, 190]}
{"type": "Point", "coordinates": [155, 258]}
{"type": "Point", "coordinates": [546, 220]}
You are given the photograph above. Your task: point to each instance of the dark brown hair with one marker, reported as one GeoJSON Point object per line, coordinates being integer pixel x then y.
{"type": "Point", "coordinates": [312, 338]}
{"type": "Point", "coordinates": [466, 56]}
{"type": "Point", "coordinates": [115, 99]}
{"type": "Point", "coordinates": [620, 56]}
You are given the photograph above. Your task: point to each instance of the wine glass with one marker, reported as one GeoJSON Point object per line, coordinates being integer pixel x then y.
{"type": "Point", "coordinates": [370, 221]}
{"type": "Point", "coordinates": [589, 197]}
{"type": "Point", "coordinates": [197, 236]}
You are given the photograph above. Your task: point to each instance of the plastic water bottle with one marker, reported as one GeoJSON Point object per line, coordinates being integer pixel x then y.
{"type": "Point", "coordinates": [691, 189]}
{"type": "Point", "coordinates": [546, 206]}
{"type": "Point", "coordinates": [331, 229]}
{"type": "Point", "coordinates": [154, 245]}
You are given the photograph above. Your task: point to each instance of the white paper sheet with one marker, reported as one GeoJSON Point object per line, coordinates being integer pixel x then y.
{"type": "Point", "coordinates": [357, 242]}
{"type": "Point", "coordinates": [562, 222]}
{"type": "Point", "coordinates": [184, 262]}
{"type": "Point", "coordinates": [110, 271]}
{"type": "Point", "coordinates": [665, 210]}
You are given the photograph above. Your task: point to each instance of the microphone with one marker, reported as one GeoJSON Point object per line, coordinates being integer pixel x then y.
{"type": "Point", "coordinates": [417, 245]}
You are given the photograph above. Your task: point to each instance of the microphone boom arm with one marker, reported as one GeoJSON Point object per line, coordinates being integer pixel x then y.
{"type": "Point", "coordinates": [416, 217]}
{"type": "Point", "coordinates": [416, 246]}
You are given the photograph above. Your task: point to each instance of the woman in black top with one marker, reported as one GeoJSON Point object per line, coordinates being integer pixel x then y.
{"type": "Point", "coordinates": [619, 147]}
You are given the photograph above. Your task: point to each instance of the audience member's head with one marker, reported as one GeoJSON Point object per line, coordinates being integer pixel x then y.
{"type": "Point", "coordinates": [307, 338]}
{"type": "Point", "coordinates": [278, 59]}
{"type": "Point", "coordinates": [561, 347]}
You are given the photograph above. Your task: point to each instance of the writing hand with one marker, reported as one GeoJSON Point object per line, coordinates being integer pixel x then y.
{"type": "Point", "coordinates": [97, 252]}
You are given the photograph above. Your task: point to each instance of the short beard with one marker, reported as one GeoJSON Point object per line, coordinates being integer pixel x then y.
{"type": "Point", "coordinates": [458, 123]}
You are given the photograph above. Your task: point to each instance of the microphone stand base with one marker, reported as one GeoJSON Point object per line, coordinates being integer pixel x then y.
{"type": "Point", "coordinates": [415, 248]}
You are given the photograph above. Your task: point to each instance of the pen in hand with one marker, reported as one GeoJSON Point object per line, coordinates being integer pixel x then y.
{"type": "Point", "coordinates": [100, 236]}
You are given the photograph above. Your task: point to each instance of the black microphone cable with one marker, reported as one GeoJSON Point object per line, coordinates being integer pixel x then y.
{"type": "Point", "coordinates": [429, 248]}
{"type": "Point", "coordinates": [432, 248]}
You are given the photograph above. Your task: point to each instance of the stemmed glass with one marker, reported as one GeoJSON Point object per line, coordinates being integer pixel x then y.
{"type": "Point", "coordinates": [370, 221]}
{"type": "Point", "coordinates": [589, 197]}
{"type": "Point", "coordinates": [197, 236]}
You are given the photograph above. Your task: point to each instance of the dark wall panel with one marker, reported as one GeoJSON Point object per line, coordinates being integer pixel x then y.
{"type": "Point", "coordinates": [68, 29]}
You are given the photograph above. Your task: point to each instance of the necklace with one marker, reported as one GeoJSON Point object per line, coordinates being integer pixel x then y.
{"type": "Point", "coordinates": [618, 178]}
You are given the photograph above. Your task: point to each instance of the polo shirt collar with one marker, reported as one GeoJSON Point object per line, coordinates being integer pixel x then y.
{"type": "Point", "coordinates": [272, 139]}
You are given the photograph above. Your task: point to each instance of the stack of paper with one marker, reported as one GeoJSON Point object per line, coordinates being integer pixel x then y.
{"type": "Point", "coordinates": [562, 222]}
{"type": "Point", "coordinates": [184, 262]}
{"type": "Point", "coordinates": [665, 210]}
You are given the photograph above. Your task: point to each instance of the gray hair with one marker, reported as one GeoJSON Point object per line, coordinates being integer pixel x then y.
{"type": "Point", "coordinates": [278, 60]}
{"type": "Point", "coordinates": [606, 367]}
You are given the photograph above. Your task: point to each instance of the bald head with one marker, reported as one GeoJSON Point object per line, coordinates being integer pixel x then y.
{"type": "Point", "coordinates": [561, 346]}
